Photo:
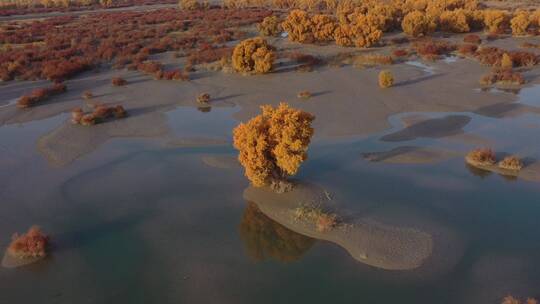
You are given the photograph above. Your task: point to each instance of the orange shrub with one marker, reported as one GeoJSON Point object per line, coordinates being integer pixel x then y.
{"type": "Point", "coordinates": [323, 27]}
{"type": "Point", "coordinates": [502, 76]}
{"type": "Point", "coordinates": [472, 38]}
{"type": "Point", "coordinates": [33, 244]}
{"type": "Point", "coordinates": [496, 21]}
{"type": "Point", "coordinates": [39, 95]}
{"type": "Point", "coordinates": [454, 21]}
{"type": "Point", "coordinates": [520, 23]}
{"type": "Point", "coordinates": [482, 156]}
{"type": "Point", "coordinates": [298, 26]}
{"type": "Point", "coordinates": [273, 144]}
{"type": "Point", "coordinates": [386, 79]}
{"type": "Point", "coordinates": [100, 114]}
{"type": "Point", "coordinates": [511, 163]}
{"type": "Point", "coordinates": [362, 31]}
{"type": "Point", "coordinates": [253, 55]}
{"type": "Point", "coordinates": [270, 26]}
{"type": "Point", "coordinates": [418, 24]}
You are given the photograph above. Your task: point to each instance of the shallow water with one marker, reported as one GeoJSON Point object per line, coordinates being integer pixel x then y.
{"type": "Point", "coordinates": [141, 220]}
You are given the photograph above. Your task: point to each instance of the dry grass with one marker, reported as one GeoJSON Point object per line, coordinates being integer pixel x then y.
{"type": "Point", "coordinates": [482, 156]}
{"type": "Point", "coordinates": [511, 163]}
{"type": "Point", "coordinates": [372, 60]}
{"type": "Point", "coordinates": [324, 221]}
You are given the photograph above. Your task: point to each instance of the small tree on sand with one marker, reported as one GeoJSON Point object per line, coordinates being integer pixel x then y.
{"type": "Point", "coordinates": [273, 144]}
{"type": "Point", "coordinates": [253, 55]}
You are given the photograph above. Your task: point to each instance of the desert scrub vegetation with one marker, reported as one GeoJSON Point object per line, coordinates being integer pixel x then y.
{"type": "Point", "coordinates": [58, 48]}
{"type": "Point", "coordinates": [481, 156]}
{"type": "Point", "coordinates": [455, 21]}
{"type": "Point", "coordinates": [511, 162]}
{"type": "Point", "coordinates": [299, 27]}
{"type": "Point", "coordinates": [273, 145]}
{"type": "Point", "coordinates": [264, 238]}
{"type": "Point", "coordinates": [32, 244]}
{"type": "Point", "coordinates": [324, 221]}
{"type": "Point", "coordinates": [270, 26]}
{"type": "Point", "coordinates": [193, 4]}
{"type": "Point", "coordinates": [386, 79]}
{"type": "Point", "coordinates": [417, 24]}
{"type": "Point", "coordinates": [369, 60]}
{"type": "Point", "coordinates": [40, 95]}
{"type": "Point", "coordinates": [99, 114]}
{"type": "Point", "coordinates": [253, 55]}
{"type": "Point", "coordinates": [433, 49]}
{"type": "Point", "coordinates": [496, 21]}
{"type": "Point", "coordinates": [520, 23]}
{"type": "Point", "coordinates": [493, 56]}
{"type": "Point", "coordinates": [502, 76]}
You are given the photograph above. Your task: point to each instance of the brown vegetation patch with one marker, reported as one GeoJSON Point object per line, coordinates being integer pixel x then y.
{"type": "Point", "coordinates": [40, 95]}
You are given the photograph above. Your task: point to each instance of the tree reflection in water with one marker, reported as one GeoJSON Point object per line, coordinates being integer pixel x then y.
{"type": "Point", "coordinates": [266, 239]}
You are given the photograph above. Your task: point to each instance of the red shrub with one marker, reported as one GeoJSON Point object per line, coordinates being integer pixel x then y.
{"type": "Point", "coordinates": [40, 94]}
{"type": "Point", "coordinates": [472, 38]}
{"type": "Point", "coordinates": [33, 244]}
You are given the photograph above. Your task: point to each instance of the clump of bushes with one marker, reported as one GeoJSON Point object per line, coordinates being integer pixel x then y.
{"type": "Point", "coordinates": [503, 77]}
{"type": "Point", "coordinates": [496, 21]}
{"type": "Point", "coordinates": [386, 79]}
{"type": "Point", "coordinates": [467, 49]}
{"type": "Point", "coordinates": [481, 156]}
{"type": "Point", "coordinates": [32, 244]}
{"type": "Point", "coordinates": [270, 26]}
{"type": "Point", "coordinates": [273, 144]}
{"type": "Point", "coordinates": [520, 23]}
{"type": "Point", "coordinates": [323, 27]}
{"type": "Point", "coordinates": [118, 81]}
{"type": "Point", "coordinates": [511, 162]}
{"type": "Point", "coordinates": [40, 95]}
{"type": "Point", "coordinates": [99, 114]}
{"type": "Point", "coordinates": [298, 26]}
{"type": "Point", "coordinates": [432, 50]}
{"type": "Point", "coordinates": [253, 55]}
{"type": "Point", "coordinates": [454, 21]}
{"type": "Point", "coordinates": [418, 24]}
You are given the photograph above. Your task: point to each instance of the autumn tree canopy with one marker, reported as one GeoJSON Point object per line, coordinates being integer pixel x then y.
{"type": "Point", "coordinates": [273, 144]}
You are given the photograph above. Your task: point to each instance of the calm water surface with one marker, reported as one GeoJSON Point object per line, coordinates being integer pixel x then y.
{"type": "Point", "coordinates": [143, 221]}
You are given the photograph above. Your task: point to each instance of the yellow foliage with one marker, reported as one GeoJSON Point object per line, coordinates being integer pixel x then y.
{"type": "Point", "coordinates": [386, 79]}
{"type": "Point", "coordinates": [193, 4]}
{"type": "Point", "coordinates": [298, 25]}
{"type": "Point", "coordinates": [273, 144]}
{"type": "Point", "coordinates": [362, 31]}
{"type": "Point", "coordinates": [417, 24]}
{"type": "Point", "coordinates": [309, 5]}
{"type": "Point", "coordinates": [270, 26]}
{"type": "Point", "coordinates": [388, 16]}
{"type": "Point", "coordinates": [455, 21]}
{"type": "Point", "coordinates": [506, 61]}
{"type": "Point", "coordinates": [253, 55]}
{"type": "Point", "coordinates": [520, 23]}
{"type": "Point", "coordinates": [495, 21]}
{"type": "Point", "coordinates": [323, 27]}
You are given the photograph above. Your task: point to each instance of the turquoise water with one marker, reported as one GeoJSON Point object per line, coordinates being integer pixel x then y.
{"type": "Point", "coordinates": [138, 220]}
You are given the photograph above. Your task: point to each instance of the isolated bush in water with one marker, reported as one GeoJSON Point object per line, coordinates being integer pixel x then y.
{"type": "Point", "coordinates": [386, 79]}
{"type": "Point", "coordinates": [253, 55]}
{"type": "Point", "coordinates": [273, 144]}
{"type": "Point", "coordinates": [270, 26]}
{"type": "Point", "coordinates": [417, 24]}
{"type": "Point", "coordinates": [33, 244]}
